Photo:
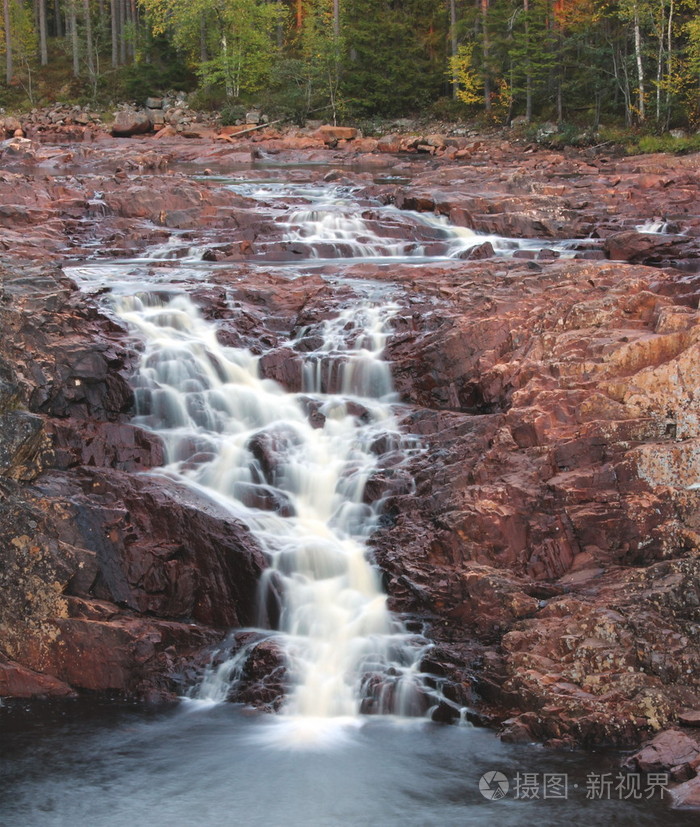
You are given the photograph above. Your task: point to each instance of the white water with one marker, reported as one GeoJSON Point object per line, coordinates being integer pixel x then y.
{"type": "Point", "coordinates": [329, 218]}
{"type": "Point", "coordinates": [653, 226]}
{"type": "Point", "coordinates": [249, 444]}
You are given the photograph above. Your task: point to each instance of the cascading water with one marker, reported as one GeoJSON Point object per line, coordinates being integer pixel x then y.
{"type": "Point", "coordinates": [249, 444]}
{"type": "Point", "coordinates": [327, 224]}
{"type": "Point", "coordinates": [654, 225]}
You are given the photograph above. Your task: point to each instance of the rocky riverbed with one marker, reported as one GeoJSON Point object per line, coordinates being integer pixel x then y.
{"type": "Point", "coordinates": [546, 535]}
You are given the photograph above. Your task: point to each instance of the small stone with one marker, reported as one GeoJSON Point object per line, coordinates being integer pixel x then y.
{"type": "Point", "coordinates": [690, 717]}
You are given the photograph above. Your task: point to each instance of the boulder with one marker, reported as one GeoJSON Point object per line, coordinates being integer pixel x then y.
{"type": "Point", "coordinates": [686, 796]}
{"type": "Point", "coordinates": [390, 143]}
{"type": "Point", "coordinates": [669, 749]}
{"type": "Point", "coordinates": [645, 248]}
{"type": "Point", "coordinates": [332, 134]}
{"type": "Point", "coordinates": [129, 122]}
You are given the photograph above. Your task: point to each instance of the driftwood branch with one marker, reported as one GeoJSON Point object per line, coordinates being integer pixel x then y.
{"type": "Point", "coordinates": [253, 128]}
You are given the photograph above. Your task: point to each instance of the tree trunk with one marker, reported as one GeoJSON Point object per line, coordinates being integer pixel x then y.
{"type": "Point", "coordinates": [73, 25]}
{"type": "Point", "coordinates": [114, 8]}
{"type": "Point", "coordinates": [43, 50]}
{"type": "Point", "coordinates": [660, 59]}
{"type": "Point", "coordinates": [528, 64]}
{"type": "Point", "coordinates": [203, 53]}
{"type": "Point", "coordinates": [88, 38]}
{"type": "Point", "coordinates": [336, 18]}
{"type": "Point", "coordinates": [132, 20]}
{"type": "Point", "coordinates": [9, 68]}
{"type": "Point", "coordinates": [57, 18]}
{"type": "Point", "coordinates": [228, 80]}
{"type": "Point", "coordinates": [453, 43]}
{"type": "Point", "coordinates": [122, 26]}
{"type": "Point", "coordinates": [486, 50]}
{"type": "Point", "coordinates": [669, 57]}
{"type": "Point", "coordinates": [299, 14]}
{"type": "Point", "coordinates": [640, 65]}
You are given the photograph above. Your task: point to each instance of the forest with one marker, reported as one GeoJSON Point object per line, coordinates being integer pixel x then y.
{"type": "Point", "coordinates": [628, 62]}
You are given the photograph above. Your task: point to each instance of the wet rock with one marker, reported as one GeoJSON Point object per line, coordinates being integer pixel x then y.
{"type": "Point", "coordinates": [686, 796]}
{"type": "Point", "coordinates": [645, 248]}
{"type": "Point", "coordinates": [479, 251]}
{"type": "Point", "coordinates": [264, 681]}
{"type": "Point", "coordinates": [668, 750]}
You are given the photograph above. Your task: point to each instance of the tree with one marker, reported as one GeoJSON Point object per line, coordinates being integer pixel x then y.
{"type": "Point", "coordinates": [7, 20]}
{"type": "Point", "coordinates": [239, 38]}
{"type": "Point", "coordinates": [396, 54]}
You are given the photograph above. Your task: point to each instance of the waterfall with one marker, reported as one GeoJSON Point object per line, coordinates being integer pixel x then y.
{"type": "Point", "coordinates": [300, 487]}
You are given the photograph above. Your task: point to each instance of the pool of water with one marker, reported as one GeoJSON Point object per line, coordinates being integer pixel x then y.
{"type": "Point", "coordinates": [110, 765]}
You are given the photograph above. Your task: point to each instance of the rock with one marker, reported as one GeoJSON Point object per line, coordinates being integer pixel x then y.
{"type": "Point", "coordinates": [390, 143]}
{"type": "Point", "coordinates": [19, 682]}
{"type": "Point", "coordinates": [668, 749]}
{"type": "Point", "coordinates": [11, 126]}
{"type": "Point", "coordinates": [167, 131]}
{"type": "Point", "coordinates": [686, 796]}
{"type": "Point", "coordinates": [546, 130]}
{"type": "Point", "coordinates": [154, 103]}
{"type": "Point", "coordinates": [437, 141]}
{"type": "Point", "coordinates": [689, 718]}
{"type": "Point", "coordinates": [644, 247]}
{"type": "Point", "coordinates": [253, 117]}
{"type": "Point", "coordinates": [128, 122]}
{"type": "Point", "coordinates": [22, 440]}
{"type": "Point", "coordinates": [479, 251]}
{"type": "Point", "coordinates": [332, 134]}
{"type": "Point", "coordinates": [156, 117]}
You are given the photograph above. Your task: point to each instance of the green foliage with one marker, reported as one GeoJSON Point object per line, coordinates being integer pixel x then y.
{"type": "Point", "coordinates": [447, 109]}
{"type": "Point", "coordinates": [228, 41]}
{"type": "Point", "coordinates": [232, 112]}
{"type": "Point", "coordinates": [139, 80]}
{"type": "Point", "coordinates": [208, 99]}
{"type": "Point", "coordinates": [576, 61]}
{"type": "Point", "coordinates": [396, 57]}
{"type": "Point", "coordinates": [667, 143]}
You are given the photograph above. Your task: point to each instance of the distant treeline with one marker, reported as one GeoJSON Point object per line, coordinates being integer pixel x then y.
{"type": "Point", "coordinates": [572, 60]}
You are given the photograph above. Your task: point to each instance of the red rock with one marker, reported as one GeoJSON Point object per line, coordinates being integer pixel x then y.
{"type": "Point", "coordinates": [645, 247]}
{"type": "Point", "coordinates": [686, 796]}
{"type": "Point", "coordinates": [128, 122]}
{"type": "Point", "coordinates": [331, 134]}
{"type": "Point", "coordinates": [19, 682]}
{"type": "Point", "coordinates": [671, 748]}
{"type": "Point", "coordinates": [390, 143]}
{"type": "Point", "coordinates": [689, 718]}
